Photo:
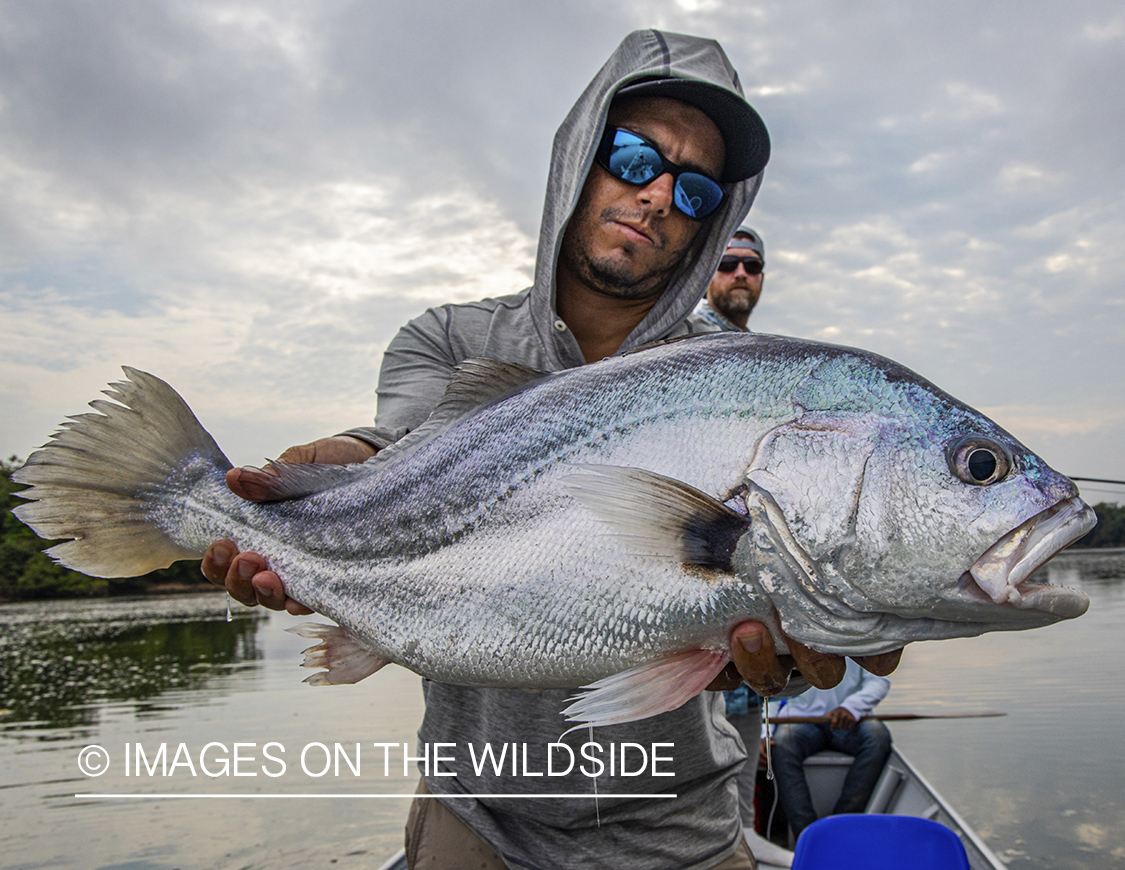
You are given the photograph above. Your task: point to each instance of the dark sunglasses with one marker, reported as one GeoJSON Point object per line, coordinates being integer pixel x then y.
{"type": "Point", "coordinates": [752, 265]}
{"type": "Point", "coordinates": [634, 160]}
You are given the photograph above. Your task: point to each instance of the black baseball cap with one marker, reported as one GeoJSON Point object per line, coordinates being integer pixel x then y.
{"type": "Point", "coordinates": [742, 129]}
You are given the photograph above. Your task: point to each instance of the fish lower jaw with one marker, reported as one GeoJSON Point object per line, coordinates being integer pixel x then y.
{"type": "Point", "coordinates": [1003, 573]}
{"type": "Point", "coordinates": [1058, 601]}
{"type": "Point", "coordinates": [996, 590]}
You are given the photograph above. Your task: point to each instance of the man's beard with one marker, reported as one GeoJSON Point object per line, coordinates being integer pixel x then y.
{"type": "Point", "coordinates": [609, 280]}
{"type": "Point", "coordinates": [620, 282]}
{"type": "Point", "coordinates": [736, 303]}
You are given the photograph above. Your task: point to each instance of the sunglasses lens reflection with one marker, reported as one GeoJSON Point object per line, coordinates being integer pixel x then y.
{"type": "Point", "coordinates": [632, 159]}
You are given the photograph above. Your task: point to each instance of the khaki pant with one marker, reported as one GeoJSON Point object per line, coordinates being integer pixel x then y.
{"type": "Point", "coordinates": [438, 840]}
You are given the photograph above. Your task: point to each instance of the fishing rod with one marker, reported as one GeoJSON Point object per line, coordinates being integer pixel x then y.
{"type": "Point", "coordinates": [886, 717]}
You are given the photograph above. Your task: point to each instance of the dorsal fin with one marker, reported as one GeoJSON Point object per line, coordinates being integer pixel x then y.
{"type": "Point", "coordinates": [660, 342]}
{"type": "Point", "coordinates": [478, 382]}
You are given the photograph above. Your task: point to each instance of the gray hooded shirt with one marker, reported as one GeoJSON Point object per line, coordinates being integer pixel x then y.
{"type": "Point", "coordinates": [700, 826]}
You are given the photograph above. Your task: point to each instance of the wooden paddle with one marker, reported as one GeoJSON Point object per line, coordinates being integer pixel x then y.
{"type": "Point", "coordinates": [886, 717]}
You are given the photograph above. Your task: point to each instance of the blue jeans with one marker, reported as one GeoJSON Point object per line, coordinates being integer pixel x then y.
{"type": "Point", "coordinates": [868, 742]}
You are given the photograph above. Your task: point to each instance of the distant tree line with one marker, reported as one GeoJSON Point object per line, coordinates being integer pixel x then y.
{"type": "Point", "coordinates": [1110, 530]}
{"type": "Point", "coordinates": [27, 573]}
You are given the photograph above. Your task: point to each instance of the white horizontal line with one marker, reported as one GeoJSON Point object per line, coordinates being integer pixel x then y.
{"type": "Point", "coordinates": [108, 796]}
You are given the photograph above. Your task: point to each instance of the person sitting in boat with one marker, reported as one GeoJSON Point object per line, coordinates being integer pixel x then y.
{"type": "Point", "coordinates": [846, 727]}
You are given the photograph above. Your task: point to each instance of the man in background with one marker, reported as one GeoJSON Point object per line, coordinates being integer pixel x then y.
{"type": "Point", "coordinates": [737, 284]}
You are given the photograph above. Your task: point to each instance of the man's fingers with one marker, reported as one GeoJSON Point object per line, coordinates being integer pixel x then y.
{"type": "Point", "coordinates": [821, 669]}
{"type": "Point", "coordinates": [240, 578]}
{"type": "Point", "coordinates": [337, 450]}
{"type": "Point", "coordinates": [754, 655]}
{"type": "Point", "coordinates": [216, 561]}
{"type": "Point", "coordinates": [247, 578]}
{"type": "Point", "coordinates": [268, 590]}
{"type": "Point", "coordinates": [882, 664]}
{"type": "Point", "coordinates": [253, 484]}
{"type": "Point", "coordinates": [299, 453]}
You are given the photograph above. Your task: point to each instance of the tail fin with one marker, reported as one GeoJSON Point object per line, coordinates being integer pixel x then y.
{"type": "Point", "coordinates": [100, 478]}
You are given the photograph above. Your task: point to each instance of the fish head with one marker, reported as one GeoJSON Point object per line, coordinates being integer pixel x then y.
{"type": "Point", "coordinates": [900, 514]}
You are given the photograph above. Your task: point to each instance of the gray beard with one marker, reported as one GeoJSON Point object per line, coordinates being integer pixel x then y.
{"type": "Point", "coordinates": [735, 306]}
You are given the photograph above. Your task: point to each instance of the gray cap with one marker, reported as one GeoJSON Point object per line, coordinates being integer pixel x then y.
{"type": "Point", "coordinates": [746, 237]}
{"type": "Point", "coordinates": [743, 131]}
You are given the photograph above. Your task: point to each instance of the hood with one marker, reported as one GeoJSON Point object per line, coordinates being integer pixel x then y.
{"type": "Point", "coordinates": [643, 54]}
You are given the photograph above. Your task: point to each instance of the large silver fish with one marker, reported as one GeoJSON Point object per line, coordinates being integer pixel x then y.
{"type": "Point", "coordinates": [605, 526]}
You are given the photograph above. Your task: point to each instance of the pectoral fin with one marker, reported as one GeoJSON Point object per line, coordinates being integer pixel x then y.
{"type": "Point", "coordinates": [660, 516]}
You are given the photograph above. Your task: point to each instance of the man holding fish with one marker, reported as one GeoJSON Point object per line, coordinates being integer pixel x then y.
{"type": "Point", "coordinates": [672, 157]}
{"type": "Point", "coordinates": [553, 525]}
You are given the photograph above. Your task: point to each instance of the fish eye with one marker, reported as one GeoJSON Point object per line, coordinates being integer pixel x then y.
{"type": "Point", "coordinates": [978, 460]}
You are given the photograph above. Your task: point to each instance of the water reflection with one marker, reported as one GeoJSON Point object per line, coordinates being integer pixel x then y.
{"type": "Point", "coordinates": [1043, 785]}
{"type": "Point", "coordinates": [1088, 566]}
{"type": "Point", "coordinates": [59, 661]}
{"type": "Point", "coordinates": [171, 670]}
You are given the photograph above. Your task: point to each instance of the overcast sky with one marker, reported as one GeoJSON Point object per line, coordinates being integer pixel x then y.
{"type": "Point", "coordinates": [248, 199]}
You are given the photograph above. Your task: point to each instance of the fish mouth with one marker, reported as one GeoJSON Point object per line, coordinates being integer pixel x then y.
{"type": "Point", "coordinates": [1003, 573]}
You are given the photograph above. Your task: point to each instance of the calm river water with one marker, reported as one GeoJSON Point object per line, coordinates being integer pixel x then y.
{"type": "Point", "coordinates": [1044, 786]}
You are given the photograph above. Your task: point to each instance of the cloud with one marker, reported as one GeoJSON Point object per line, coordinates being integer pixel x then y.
{"type": "Point", "coordinates": [250, 198]}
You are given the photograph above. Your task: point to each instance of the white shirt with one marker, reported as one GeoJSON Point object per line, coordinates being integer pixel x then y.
{"type": "Point", "coordinates": [858, 693]}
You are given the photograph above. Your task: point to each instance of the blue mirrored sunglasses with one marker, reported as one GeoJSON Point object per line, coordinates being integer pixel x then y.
{"type": "Point", "coordinates": [635, 160]}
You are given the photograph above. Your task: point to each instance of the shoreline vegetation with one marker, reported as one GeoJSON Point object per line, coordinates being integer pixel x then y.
{"type": "Point", "coordinates": [27, 574]}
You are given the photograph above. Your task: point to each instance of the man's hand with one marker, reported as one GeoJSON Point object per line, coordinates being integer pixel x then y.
{"type": "Point", "coordinates": [841, 719]}
{"type": "Point", "coordinates": [337, 450]}
{"type": "Point", "coordinates": [755, 660]}
{"type": "Point", "coordinates": [246, 576]}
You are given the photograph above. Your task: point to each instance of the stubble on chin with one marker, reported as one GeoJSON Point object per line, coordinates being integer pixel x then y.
{"type": "Point", "coordinates": [620, 278]}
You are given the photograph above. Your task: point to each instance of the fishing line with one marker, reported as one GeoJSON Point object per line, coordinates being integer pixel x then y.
{"type": "Point", "coordinates": [597, 810]}
{"type": "Point", "coordinates": [1100, 489]}
{"type": "Point", "coordinates": [773, 809]}
{"type": "Point", "coordinates": [769, 748]}
{"type": "Point", "coordinates": [769, 768]}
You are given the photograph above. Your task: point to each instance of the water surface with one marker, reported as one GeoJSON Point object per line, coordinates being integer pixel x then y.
{"type": "Point", "coordinates": [1043, 785]}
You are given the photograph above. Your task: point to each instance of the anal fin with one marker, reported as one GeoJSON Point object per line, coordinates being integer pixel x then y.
{"type": "Point", "coordinates": [346, 660]}
{"type": "Point", "coordinates": [646, 690]}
